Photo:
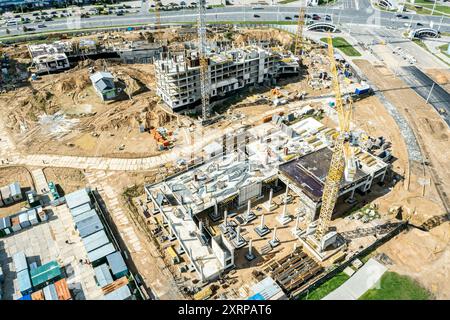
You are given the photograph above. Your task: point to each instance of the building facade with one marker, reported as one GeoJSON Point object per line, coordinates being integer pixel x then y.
{"type": "Point", "coordinates": [178, 78]}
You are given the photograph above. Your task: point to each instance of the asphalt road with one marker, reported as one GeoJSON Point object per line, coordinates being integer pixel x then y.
{"type": "Point", "coordinates": [421, 84]}
{"type": "Point", "coordinates": [353, 12]}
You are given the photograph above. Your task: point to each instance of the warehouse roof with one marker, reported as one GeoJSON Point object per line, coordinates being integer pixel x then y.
{"type": "Point", "coordinates": [116, 262]}
{"type": "Point", "coordinates": [77, 198]}
{"type": "Point", "coordinates": [95, 240]}
{"type": "Point", "coordinates": [45, 273]}
{"type": "Point", "coordinates": [89, 225]}
{"type": "Point", "coordinates": [80, 209]}
{"type": "Point", "coordinates": [121, 293]}
{"type": "Point", "coordinates": [101, 252]}
{"type": "Point", "coordinates": [103, 275]}
{"type": "Point", "coordinates": [20, 261]}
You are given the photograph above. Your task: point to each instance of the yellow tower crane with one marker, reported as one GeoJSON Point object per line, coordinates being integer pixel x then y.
{"type": "Point", "coordinates": [299, 35]}
{"type": "Point", "coordinates": [341, 154]}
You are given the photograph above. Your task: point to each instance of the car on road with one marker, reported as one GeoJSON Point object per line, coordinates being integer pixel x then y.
{"type": "Point", "coordinates": [399, 15]}
{"type": "Point", "coordinates": [315, 16]}
{"type": "Point", "coordinates": [296, 16]}
{"type": "Point", "coordinates": [288, 18]}
{"type": "Point", "coordinates": [419, 24]}
{"type": "Point", "coordinates": [328, 17]}
{"type": "Point", "coordinates": [256, 16]}
{"type": "Point", "coordinates": [307, 16]}
{"type": "Point", "coordinates": [48, 19]}
{"type": "Point", "coordinates": [41, 25]}
{"type": "Point", "coordinates": [35, 14]}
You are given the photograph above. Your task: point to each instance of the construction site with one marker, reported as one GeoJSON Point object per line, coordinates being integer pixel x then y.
{"type": "Point", "coordinates": [248, 162]}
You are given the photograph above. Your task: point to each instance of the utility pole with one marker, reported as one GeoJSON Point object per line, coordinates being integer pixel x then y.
{"type": "Point", "coordinates": [434, 6]}
{"type": "Point", "coordinates": [431, 90]}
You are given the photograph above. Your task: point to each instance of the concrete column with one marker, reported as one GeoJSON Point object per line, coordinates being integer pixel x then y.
{"type": "Point", "coordinates": [297, 222]}
{"type": "Point", "coordinates": [238, 233]}
{"type": "Point", "coordinates": [286, 193]}
{"type": "Point", "coordinates": [274, 237]}
{"type": "Point", "coordinates": [200, 227]}
{"type": "Point", "coordinates": [270, 197]}
{"type": "Point", "coordinates": [384, 173]}
{"type": "Point", "coordinates": [250, 247]}
{"type": "Point", "coordinates": [225, 218]}
{"type": "Point", "coordinates": [353, 193]}
{"type": "Point", "coordinates": [285, 210]}
{"type": "Point", "coordinates": [216, 213]}
{"type": "Point", "coordinates": [295, 247]}
{"type": "Point", "coordinates": [249, 205]}
{"type": "Point", "coordinates": [261, 226]}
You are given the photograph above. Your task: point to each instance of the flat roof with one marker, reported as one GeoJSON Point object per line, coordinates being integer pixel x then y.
{"type": "Point", "coordinates": [89, 225]}
{"type": "Point", "coordinates": [77, 198]}
{"type": "Point", "coordinates": [100, 252]}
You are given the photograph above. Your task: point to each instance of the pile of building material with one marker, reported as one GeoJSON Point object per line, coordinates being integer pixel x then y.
{"type": "Point", "coordinates": [294, 271]}
{"type": "Point", "coordinates": [10, 194]}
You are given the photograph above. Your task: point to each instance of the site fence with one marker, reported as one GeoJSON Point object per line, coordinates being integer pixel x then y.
{"type": "Point", "coordinates": [341, 267]}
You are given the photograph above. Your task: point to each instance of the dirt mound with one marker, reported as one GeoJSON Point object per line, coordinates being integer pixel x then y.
{"type": "Point", "coordinates": [276, 37]}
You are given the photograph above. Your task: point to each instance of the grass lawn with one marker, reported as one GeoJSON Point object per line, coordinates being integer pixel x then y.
{"type": "Point", "coordinates": [397, 287]}
{"type": "Point", "coordinates": [444, 49]}
{"type": "Point", "coordinates": [344, 46]}
{"type": "Point", "coordinates": [326, 287]}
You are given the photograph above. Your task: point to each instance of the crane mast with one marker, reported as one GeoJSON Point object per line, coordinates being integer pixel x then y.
{"type": "Point", "coordinates": [204, 72]}
{"type": "Point", "coordinates": [299, 35]}
{"type": "Point", "coordinates": [337, 165]}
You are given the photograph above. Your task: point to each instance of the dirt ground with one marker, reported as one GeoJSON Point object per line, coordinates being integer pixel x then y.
{"type": "Point", "coordinates": [441, 76]}
{"type": "Point", "coordinates": [69, 179]}
{"type": "Point", "coordinates": [61, 114]}
{"type": "Point", "coordinates": [415, 251]}
{"type": "Point", "coordinates": [9, 175]}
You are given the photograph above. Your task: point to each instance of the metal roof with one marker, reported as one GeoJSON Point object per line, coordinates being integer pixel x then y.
{"type": "Point", "coordinates": [101, 252]}
{"type": "Point", "coordinates": [5, 223]}
{"type": "Point", "coordinates": [15, 189]}
{"type": "Point", "coordinates": [6, 192]}
{"type": "Point", "coordinates": [104, 84]}
{"type": "Point", "coordinates": [101, 75]}
{"type": "Point", "coordinates": [95, 240]}
{"type": "Point", "coordinates": [89, 225]}
{"type": "Point", "coordinates": [20, 261]}
{"type": "Point", "coordinates": [103, 275]}
{"type": "Point", "coordinates": [77, 198]}
{"type": "Point", "coordinates": [23, 279]}
{"type": "Point", "coordinates": [84, 215]}
{"type": "Point", "coordinates": [265, 289]}
{"type": "Point", "coordinates": [50, 292]}
{"type": "Point", "coordinates": [80, 209]}
{"type": "Point", "coordinates": [121, 293]}
{"type": "Point", "coordinates": [45, 273]}
{"type": "Point", "coordinates": [116, 263]}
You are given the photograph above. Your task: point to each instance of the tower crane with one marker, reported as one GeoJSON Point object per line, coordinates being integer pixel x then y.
{"type": "Point", "coordinates": [299, 35]}
{"type": "Point", "coordinates": [204, 72]}
{"type": "Point", "coordinates": [341, 155]}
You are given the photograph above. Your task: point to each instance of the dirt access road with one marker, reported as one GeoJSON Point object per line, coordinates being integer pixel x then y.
{"type": "Point", "coordinates": [423, 255]}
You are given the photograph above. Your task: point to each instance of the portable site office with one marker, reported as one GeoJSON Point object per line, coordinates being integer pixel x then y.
{"type": "Point", "coordinates": [89, 226]}
{"type": "Point", "coordinates": [46, 272]}
{"type": "Point", "coordinates": [77, 198]}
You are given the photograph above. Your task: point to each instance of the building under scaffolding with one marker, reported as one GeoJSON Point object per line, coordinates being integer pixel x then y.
{"type": "Point", "coordinates": [178, 77]}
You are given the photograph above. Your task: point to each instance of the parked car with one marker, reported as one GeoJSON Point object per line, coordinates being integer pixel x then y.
{"type": "Point", "coordinates": [328, 17]}
{"type": "Point", "coordinates": [256, 16]}
{"type": "Point", "coordinates": [405, 17]}
{"type": "Point", "coordinates": [288, 18]}
{"type": "Point", "coordinates": [315, 16]}
{"type": "Point", "coordinates": [41, 25]}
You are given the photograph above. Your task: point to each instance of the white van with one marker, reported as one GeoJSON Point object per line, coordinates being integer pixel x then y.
{"type": "Point", "coordinates": [10, 23]}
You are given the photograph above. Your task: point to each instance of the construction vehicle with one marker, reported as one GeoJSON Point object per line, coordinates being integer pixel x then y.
{"type": "Point", "coordinates": [163, 137]}
{"type": "Point", "coordinates": [341, 159]}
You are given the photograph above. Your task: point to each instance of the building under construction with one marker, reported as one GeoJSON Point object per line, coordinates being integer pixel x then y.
{"type": "Point", "coordinates": [178, 77]}
{"type": "Point", "coordinates": [198, 205]}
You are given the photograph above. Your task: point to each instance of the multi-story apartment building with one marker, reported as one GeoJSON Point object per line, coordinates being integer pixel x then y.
{"type": "Point", "coordinates": [178, 78]}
